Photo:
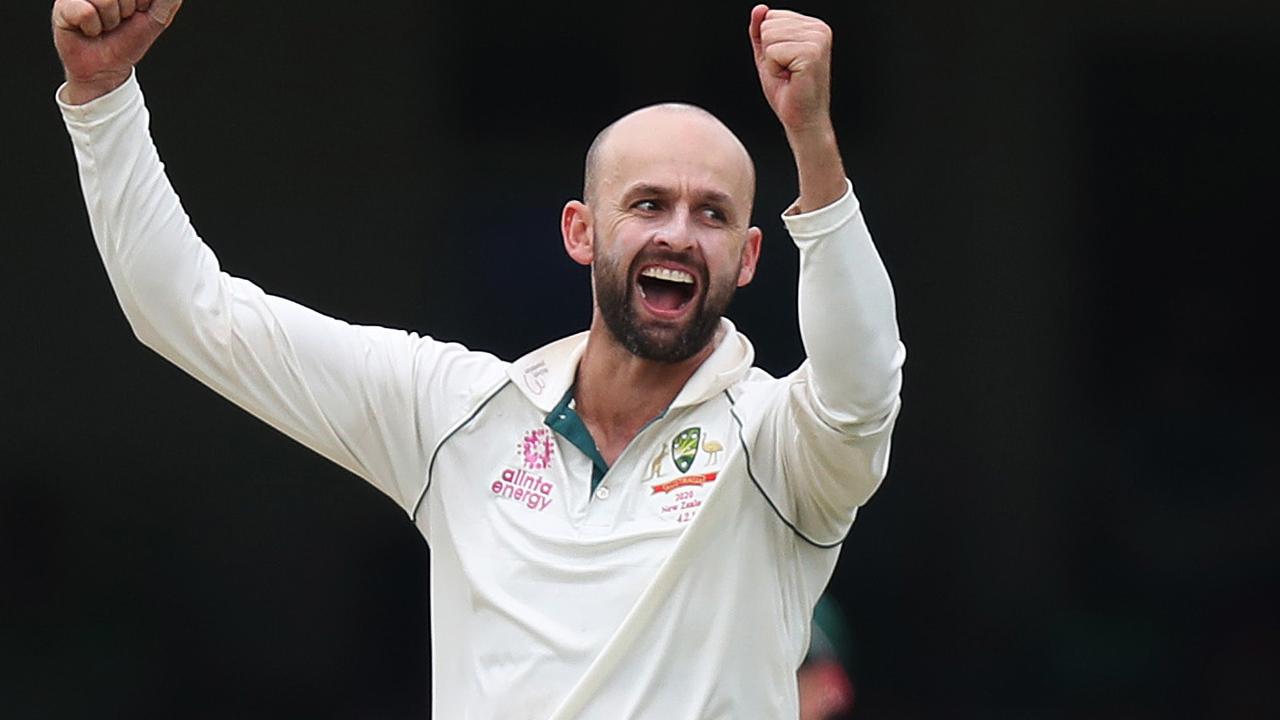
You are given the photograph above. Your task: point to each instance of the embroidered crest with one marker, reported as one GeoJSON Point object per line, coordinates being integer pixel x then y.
{"type": "Point", "coordinates": [684, 448]}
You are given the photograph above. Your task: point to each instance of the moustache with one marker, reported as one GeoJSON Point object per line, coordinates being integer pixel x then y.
{"type": "Point", "coordinates": [688, 260]}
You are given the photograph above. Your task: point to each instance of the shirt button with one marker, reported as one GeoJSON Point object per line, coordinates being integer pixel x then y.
{"type": "Point", "coordinates": [602, 493]}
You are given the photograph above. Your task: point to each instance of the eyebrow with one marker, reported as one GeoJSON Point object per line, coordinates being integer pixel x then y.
{"type": "Point", "coordinates": [644, 188]}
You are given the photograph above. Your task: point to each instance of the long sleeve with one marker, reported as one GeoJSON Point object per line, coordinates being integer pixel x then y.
{"type": "Point", "coordinates": [837, 410]}
{"type": "Point", "coordinates": [350, 393]}
{"type": "Point", "coordinates": [848, 319]}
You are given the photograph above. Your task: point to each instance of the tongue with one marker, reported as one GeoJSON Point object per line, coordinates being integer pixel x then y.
{"type": "Point", "coordinates": [664, 295]}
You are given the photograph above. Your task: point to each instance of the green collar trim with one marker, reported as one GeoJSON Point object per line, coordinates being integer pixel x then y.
{"type": "Point", "coordinates": [565, 420]}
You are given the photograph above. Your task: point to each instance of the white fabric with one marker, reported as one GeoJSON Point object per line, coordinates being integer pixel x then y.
{"type": "Point", "coordinates": [671, 593]}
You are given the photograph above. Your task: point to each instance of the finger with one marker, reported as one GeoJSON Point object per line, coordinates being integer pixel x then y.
{"type": "Point", "coordinates": [791, 56]}
{"type": "Point", "coordinates": [109, 11]}
{"type": "Point", "coordinates": [777, 35]}
{"type": "Point", "coordinates": [810, 41]}
{"type": "Point", "coordinates": [757, 18]}
{"type": "Point", "coordinates": [791, 14]}
{"type": "Point", "coordinates": [774, 28]}
{"type": "Point", "coordinates": [144, 5]}
{"type": "Point", "coordinates": [77, 16]}
{"type": "Point", "coordinates": [163, 11]}
{"type": "Point", "coordinates": [127, 8]}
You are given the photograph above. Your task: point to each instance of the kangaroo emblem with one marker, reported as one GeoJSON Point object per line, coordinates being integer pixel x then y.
{"type": "Point", "coordinates": [655, 465]}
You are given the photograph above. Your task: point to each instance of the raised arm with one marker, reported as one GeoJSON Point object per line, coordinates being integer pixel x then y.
{"type": "Point", "coordinates": [354, 394]}
{"type": "Point", "coordinates": [834, 438]}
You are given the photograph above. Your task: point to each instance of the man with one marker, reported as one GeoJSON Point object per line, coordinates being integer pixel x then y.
{"type": "Point", "coordinates": [628, 523]}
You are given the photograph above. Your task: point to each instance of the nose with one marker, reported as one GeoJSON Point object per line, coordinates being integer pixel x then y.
{"type": "Point", "coordinates": [678, 232]}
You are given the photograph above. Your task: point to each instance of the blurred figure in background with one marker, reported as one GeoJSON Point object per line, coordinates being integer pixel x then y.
{"type": "Point", "coordinates": [826, 687]}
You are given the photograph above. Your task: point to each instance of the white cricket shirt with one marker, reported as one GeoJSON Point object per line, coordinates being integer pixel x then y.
{"type": "Point", "coordinates": [681, 587]}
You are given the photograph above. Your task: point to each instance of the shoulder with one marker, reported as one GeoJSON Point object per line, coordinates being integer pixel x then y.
{"type": "Point", "coordinates": [451, 377]}
{"type": "Point", "coordinates": [757, 385]}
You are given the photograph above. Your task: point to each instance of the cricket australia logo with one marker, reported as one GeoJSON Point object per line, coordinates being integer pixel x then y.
{"type": "Point", "coordinates": [684, 448]}
{"type": "Point", "coordinates": [680, 499]}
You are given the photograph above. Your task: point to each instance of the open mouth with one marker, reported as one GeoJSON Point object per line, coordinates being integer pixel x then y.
{"type": "Point", "coordinates": [666, 291]}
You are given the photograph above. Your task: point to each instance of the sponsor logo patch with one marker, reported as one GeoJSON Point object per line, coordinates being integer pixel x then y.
{"type": "Point", "coordinates": [536, 449]}
{"type": "Point", "coordinates": [527, 485]}
{"type": "Point", "coordinates": [530, 490]}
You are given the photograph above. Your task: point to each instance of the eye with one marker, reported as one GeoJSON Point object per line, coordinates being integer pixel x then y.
{"type": "Point", "coordinates": [646, 205]}
{"type": "Point", "coordinates": [714, 213]}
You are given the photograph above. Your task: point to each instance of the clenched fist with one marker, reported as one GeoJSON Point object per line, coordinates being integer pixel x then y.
{"type": "Point", "coordinates": [99, 41]}
{"type": "Point", "coordinates": [793, 58]}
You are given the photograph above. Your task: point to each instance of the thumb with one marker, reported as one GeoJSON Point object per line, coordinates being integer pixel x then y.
{"type": "Point", "coordinates": [141, 30]}
{"type": "Point", "coordinates": [757, 19]}
{"type": "Point", "coordinates": [163, 11]}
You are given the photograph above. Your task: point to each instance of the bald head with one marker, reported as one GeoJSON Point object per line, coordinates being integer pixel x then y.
{"type": "Point", "coordinates": [677, 128]}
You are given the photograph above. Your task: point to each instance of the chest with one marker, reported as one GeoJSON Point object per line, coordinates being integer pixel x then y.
{"type": "Point", "coordinates": [507, 476]}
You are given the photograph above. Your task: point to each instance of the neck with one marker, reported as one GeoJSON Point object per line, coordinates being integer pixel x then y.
{"type": "Point", "coordinates": [617, 393]}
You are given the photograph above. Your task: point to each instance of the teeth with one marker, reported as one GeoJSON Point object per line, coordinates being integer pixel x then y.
{"type": "Point", "coordinates": [669, 275]}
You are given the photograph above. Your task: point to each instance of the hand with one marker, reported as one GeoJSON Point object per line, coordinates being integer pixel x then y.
{"type": "Point", "coordinates": [99, 41]}
{"type": "Point", "coordinates": [793, 58]}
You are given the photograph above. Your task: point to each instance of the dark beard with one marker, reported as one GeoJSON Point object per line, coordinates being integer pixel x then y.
{"type": "Point", "coordinates": [615, 291]}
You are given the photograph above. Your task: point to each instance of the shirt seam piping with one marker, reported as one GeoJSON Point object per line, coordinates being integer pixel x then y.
{"type": "Point", "coordinates": [773, 506]}
{"type": "Point", "coordinates": [417, 505]}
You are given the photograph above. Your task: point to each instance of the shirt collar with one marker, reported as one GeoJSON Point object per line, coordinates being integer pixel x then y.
{"type": "Point", "coordinates": [545, 374]}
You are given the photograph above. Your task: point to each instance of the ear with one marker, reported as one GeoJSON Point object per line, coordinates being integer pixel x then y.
{"type": "Point", "coordinates": [575, 228]}
{"type": "Point", "coordinates": [750, 256]}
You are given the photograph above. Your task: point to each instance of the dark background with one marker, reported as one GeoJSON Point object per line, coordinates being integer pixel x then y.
{"type": "Point", "coordinates": [1072, 198]}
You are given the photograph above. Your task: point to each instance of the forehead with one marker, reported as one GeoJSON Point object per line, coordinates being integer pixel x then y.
{"type": "Point", "coordinates": [681, 150]}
